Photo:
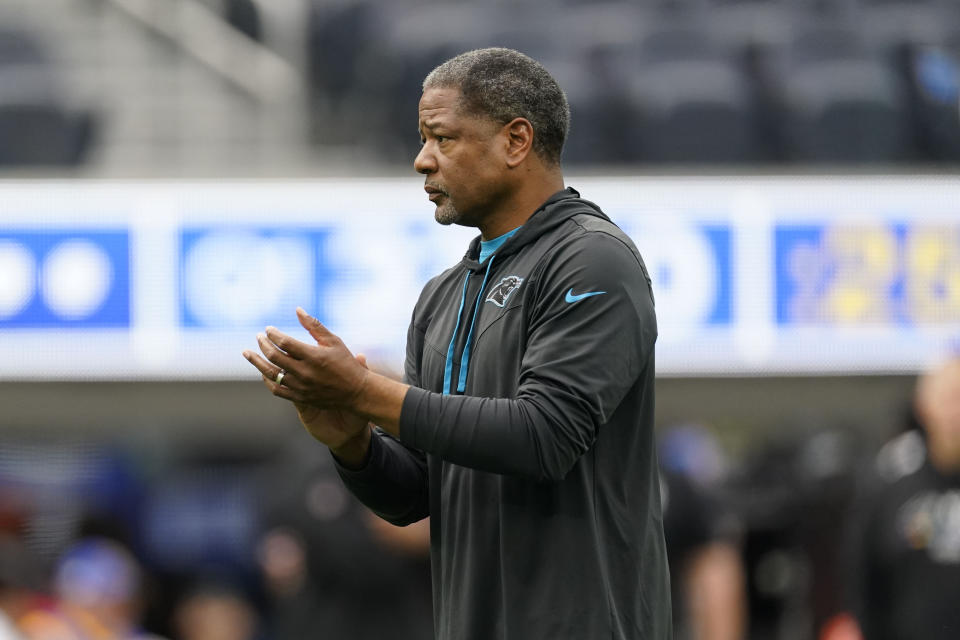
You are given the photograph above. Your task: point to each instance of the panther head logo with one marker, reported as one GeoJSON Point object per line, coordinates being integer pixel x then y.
{"type": "Point", "coordinates": [502, 290]}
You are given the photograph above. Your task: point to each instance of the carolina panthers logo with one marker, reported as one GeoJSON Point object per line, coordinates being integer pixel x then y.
{"type": "Point", "coordinates": [502, 290]}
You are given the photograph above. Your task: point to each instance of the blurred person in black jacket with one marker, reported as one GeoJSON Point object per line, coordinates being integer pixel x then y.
{"type": "Point", "coordinates": [703, 535]}
{"type": "Point", "coordinates": [331, 569]}
{"type": "Point", "coordinates": [905, 542]}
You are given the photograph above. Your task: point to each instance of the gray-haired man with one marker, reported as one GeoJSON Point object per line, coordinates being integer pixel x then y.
{"type": "Point", "coordinates": [524, 426]}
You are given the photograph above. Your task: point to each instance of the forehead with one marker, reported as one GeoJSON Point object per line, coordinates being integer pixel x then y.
{"type": "Point", "coordinates": [439, 102]}
{"type": "Point", "coordinates": [443, 107]}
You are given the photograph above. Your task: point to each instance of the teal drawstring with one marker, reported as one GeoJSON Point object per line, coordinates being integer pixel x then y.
{"type": "Point", "coordinates": [448, 368]}
{"type": "Point", "coordinates": [465, 359]}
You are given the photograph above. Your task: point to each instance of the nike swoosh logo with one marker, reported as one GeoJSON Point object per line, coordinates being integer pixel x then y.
{"type": "Point", "coordinates": [572, 297]}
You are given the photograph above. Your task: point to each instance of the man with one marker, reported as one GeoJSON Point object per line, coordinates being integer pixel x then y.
{"type": "Point", "coordinates": [905, 545]}
{"type": "Point", "coordinates": [524, 426]}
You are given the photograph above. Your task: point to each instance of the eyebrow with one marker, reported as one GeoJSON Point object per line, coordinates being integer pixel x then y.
{"type": "Point", "coordinates": [431, 124]}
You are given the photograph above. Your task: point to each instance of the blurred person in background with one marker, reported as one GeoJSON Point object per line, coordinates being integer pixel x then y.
{"type": "Point", "coordinates": [20, 585]}
{"type": "Point", "coordinates": [703, 535]}
{"type": "Point", "coordinates": [332, 569]}
{"type": "Point", "coordinates": [905, 543]}
{"type": "Point", "coordinates": [215, 611]}
{"type": "Point", "coordinates": [98, 591]}
{"type": "Point", "coordinates": [527, 434]}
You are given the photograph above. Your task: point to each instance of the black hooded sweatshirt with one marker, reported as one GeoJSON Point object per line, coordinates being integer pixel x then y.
{"type": "Point", "coordinates": [527, 437]}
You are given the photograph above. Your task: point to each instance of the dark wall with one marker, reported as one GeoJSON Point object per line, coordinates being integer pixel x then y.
{"type": "Point", "coordinates": [244, 411]}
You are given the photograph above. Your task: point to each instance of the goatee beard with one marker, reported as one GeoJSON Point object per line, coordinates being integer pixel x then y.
{"type": "Point", "coordinates": [446, 214]}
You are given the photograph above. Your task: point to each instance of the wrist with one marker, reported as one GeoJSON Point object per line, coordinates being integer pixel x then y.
{"type": "Point", "coordinates": [353, 453]}
{"type": "Point", "coordinates": [381, 402]}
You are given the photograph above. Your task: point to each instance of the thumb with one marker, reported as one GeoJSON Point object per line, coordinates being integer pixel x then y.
{"type": "Point", "coordinates": [313, 326]}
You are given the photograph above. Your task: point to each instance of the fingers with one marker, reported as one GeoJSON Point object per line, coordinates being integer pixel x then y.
{"type": "Point", "coordinates": [313, 326]}
{"type": "Point", "coordinates": [318, 375]}
{"type": "Point", "coordinates": [362, 359]}
{"type": "Point", "coordinates": [283, 391]}
{"type": "Point", "coordinates": [291, 346]}
{"type": "Point", "coordinates": [269, 372]}
{"type": "Point", "coordinates": [275, 355]}
{"type": "Point", "coordinates": [267, 369]}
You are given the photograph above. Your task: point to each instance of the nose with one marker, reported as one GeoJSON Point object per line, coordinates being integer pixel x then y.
{"type": "Point", "coordinates": [425, 162]}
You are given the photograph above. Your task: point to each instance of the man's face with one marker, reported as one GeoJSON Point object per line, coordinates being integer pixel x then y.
{"type": "Point", "coordinates": [940, 408]}
{"type": "Point", "coordinates": [461, 158]}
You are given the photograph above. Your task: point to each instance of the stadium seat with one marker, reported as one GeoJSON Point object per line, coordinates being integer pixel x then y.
{"type": "Point", "coordinates": [19, 47]}
{"type": "Point", "coordinates": [688, 100]}
{"type": "Point", "coordinates": [336, 36]}
{"type": "Point", "coordinates": [750, 22]}
{"type": "Point", "coordinates": [244, 16]}
{"type": "Point", "coordinates": [918, 36]}
{"type": "Point", "coordinates": [889, 24]}
{"type": "Point", "coordinates": [37, 127]}
{"type": "Point", "coordinates": [836, 100]}
{"type": "Point", "coordinates": [934, 73]}
{"type": "Point", "coordinates": [659, 81]}
{"type": "Point", "coordinates": [44, 134]}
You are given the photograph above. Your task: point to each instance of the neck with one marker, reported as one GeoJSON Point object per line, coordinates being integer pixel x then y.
{"type": "Point", "coordinates": [517, 209]}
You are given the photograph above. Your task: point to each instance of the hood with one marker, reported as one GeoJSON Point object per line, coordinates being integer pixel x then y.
{"type": "Point", "coordinates": [558, 208]}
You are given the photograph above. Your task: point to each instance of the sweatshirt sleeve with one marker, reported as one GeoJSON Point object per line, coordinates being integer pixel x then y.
{"type": "Point", "coordinates": [591, 333]}
{"type": "Point", "coordinates": [393, 483]}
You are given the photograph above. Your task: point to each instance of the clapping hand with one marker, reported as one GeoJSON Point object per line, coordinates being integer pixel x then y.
{"type": "Point", "coordinates": [321, 380]}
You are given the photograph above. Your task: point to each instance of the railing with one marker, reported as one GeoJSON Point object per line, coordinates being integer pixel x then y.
{"type": "Point", "coordinates": [205, 36]}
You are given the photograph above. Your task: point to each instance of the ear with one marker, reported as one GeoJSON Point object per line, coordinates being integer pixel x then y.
{"type": "Point", "coordinates": [519, 138]}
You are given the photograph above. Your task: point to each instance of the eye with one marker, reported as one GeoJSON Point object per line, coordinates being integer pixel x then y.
{"type": "Point", "coordinates": [441, 139]}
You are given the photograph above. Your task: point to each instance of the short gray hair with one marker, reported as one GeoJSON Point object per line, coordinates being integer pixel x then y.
{"type": "Point", "coordinates": [503, 84]}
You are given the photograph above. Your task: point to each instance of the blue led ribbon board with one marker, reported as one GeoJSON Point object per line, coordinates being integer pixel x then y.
{"type": "Point", "coordinates": [64, 278]}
